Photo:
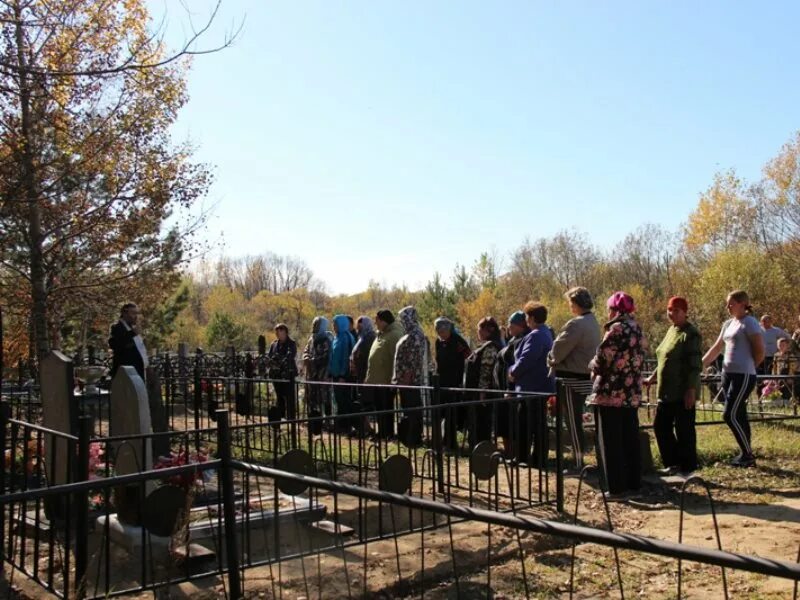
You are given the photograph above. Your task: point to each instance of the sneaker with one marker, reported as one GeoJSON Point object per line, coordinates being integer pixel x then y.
{"type": "Point", "coordinates": [688, 474]}
{"type": "Point", "coordinates": [744, 461]}
{"type": "Point", "coordinates": [667, 470]}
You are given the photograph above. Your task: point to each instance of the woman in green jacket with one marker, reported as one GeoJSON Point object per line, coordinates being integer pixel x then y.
{"type": "Point", "coordinates": [678, 384]}
{"type": "Point", "coordinates": [380, 367]}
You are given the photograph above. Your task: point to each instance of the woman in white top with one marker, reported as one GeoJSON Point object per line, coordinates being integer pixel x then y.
{"type": "Point", "coordinates": [742, 340]}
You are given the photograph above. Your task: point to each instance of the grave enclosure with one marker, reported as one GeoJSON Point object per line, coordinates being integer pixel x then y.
{"type": "Point", "coordinates": [144, 527]}
{"type": "Point", "coordinates": [193, 476]}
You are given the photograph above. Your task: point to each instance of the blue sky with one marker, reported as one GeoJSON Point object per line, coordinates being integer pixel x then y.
{"type": "Point", "coordinates": [389, 140]}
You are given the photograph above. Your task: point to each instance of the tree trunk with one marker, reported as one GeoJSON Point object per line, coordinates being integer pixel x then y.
{"type": "Point", "coordinates": [31, 195]}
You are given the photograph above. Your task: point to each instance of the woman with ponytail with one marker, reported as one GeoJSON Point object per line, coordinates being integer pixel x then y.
{"type": "Point", "coordinates": [743, 343]}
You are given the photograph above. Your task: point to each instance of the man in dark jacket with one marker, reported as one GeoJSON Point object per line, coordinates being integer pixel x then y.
{"type": "Point", "coordinates": [126, 343]}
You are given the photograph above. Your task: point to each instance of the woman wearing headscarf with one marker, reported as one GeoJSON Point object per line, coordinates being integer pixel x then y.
{"type": "Point", "coordinates": [677, 379]}
{"type": "Point", "coordinates": [339, 368]}
{"type": "Point", "coordinates": [359, 360]}
{"type": "Point", "coordinates": [507, 411]}
{"type": "Point", "coordinates": [616, 394]}
{"type": "Point", "coordinates": [316, 357]}
{"type": "Point", "coordinates": [569, 359]}
{"type": "Point", "coordinates": [742, 339]}
{"type": "Point", "coordinates": [282, 356]}
{"type": "Point", "coordinates": [411, 361]}
{"type": "Point", "coordinates": [359, 357]}
{"type": "Point", "coordinates": [451, 352]}
{"type": "Point", "coordinates": [479, 374]}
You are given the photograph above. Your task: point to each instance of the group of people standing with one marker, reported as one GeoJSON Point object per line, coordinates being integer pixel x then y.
{"type": "Point", "coordinates": [383, 351]}
{"type": "Point", "coordinates": [527, 356]}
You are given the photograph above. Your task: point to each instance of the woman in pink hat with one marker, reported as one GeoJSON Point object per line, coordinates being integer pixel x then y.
{"type": "Point", "coordinates": [616, 394]}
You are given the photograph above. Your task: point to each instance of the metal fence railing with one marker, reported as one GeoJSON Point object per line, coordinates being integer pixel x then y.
{"type": "Point", "coordinates": [315, 534]}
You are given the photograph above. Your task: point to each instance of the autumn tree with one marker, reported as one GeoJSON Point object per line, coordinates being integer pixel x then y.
{"type": "Point", "coordinates": [778, 203]}
{"type": "Point", "coordinates": [97, 198]}
{"type": "Point", "coordinates": [269, 272]}
{"type": "Point", "coordinates": [742, 267]}
{"type": "Point", "coordinates": [725, 216]}
{"type": "Point", "coordinates": [646, 256]}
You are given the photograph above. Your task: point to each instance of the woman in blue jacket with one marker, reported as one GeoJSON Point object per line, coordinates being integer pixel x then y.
{"type": "Point", "coordinates": [339, 369]}
{"type": "Point", "coordinates": [530, 373]}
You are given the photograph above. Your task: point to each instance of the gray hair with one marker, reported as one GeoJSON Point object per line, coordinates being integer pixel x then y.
{"type": "Point", "coordinates": [581, 297]}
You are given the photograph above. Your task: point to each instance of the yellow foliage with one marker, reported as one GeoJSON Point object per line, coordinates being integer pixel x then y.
{"type": "Point", "coordinates": [723, 217]}
{"type": "Point", "coordinates": [746, 268]}
{"type": "Point", "coordinates": [469, 313]}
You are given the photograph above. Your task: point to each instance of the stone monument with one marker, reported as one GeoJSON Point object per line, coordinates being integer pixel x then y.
{"type": "Point", "coordinates": [60, 413]}
{"type": "Point", "coordinates": [130, 416]}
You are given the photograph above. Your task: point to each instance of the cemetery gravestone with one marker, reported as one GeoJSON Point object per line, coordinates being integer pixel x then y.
{"type": "Point", "coordinates": [60, 413]}
{"type": "Point", "coordinates": [130, 416]}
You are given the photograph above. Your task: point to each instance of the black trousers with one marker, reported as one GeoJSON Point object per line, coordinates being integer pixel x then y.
{"type": "Point", "coordinates": [384, 400]}
{"type": "Point", "coordinates": [676, 435]}
{"type": "Point", "coordinates": [284, 399]}
{"type": "Point", "coordinates": [453, 415]}
{"type": "Point", "coordinates": [736, 387]}
{"type": "Point", "coordinates": [479, 422]}
{"type": "Point", "coordinates": [618, 450]}
{"type": "Point", "coordinates": [412, 398]}
{"type": "Point", "coordinates": [319, 398]}
{"type": "Point", "coordinates": [532, 419]}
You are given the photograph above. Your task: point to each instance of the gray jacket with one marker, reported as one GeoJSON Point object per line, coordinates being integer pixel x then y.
{"type": "Point", "coordinates": [576, 345]}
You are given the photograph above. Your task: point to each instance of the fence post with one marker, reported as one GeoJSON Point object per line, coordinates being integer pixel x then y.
{"type": "Point", "coordinates": [228, 504]}
{"type": "Point", "coordinates": [291, 408]}
{"type": "Point", "coordinates": [2, 364]}
{"type": "Point", "coordinates": [198, 402]}
{"type": "Point", "coordinates": [437, 431]}
{"type": "Point", "coordinates": [82, 508]}
{"type": "Point", "coordinates": [559, 450]}
{"type": "Point", "coordinates": [5, 414]}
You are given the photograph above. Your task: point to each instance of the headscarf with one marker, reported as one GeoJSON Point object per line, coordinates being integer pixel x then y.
{"type": "Point", "coordinates": [367, 327]}
{"type": "Point", "coordinates": [518, 318]}
{"type": "Point", "coordinates": [319, 327]}
{"type": "Point", "coordinates": [444, 323]}
{"type": "Point", "coordinates": [343, 342]}
{"type": "Point", "coordinates": [411, 354]}
{"type": "Point", "coordinates": [621, 302]}
{"type": "Point", "coordinates": [678, 302]}
{"type": "Point", "coordinates": [409, 319]}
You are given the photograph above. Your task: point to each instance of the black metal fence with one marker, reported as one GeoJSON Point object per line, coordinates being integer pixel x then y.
{"type": "Point", "coordinates": [247, 526]}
